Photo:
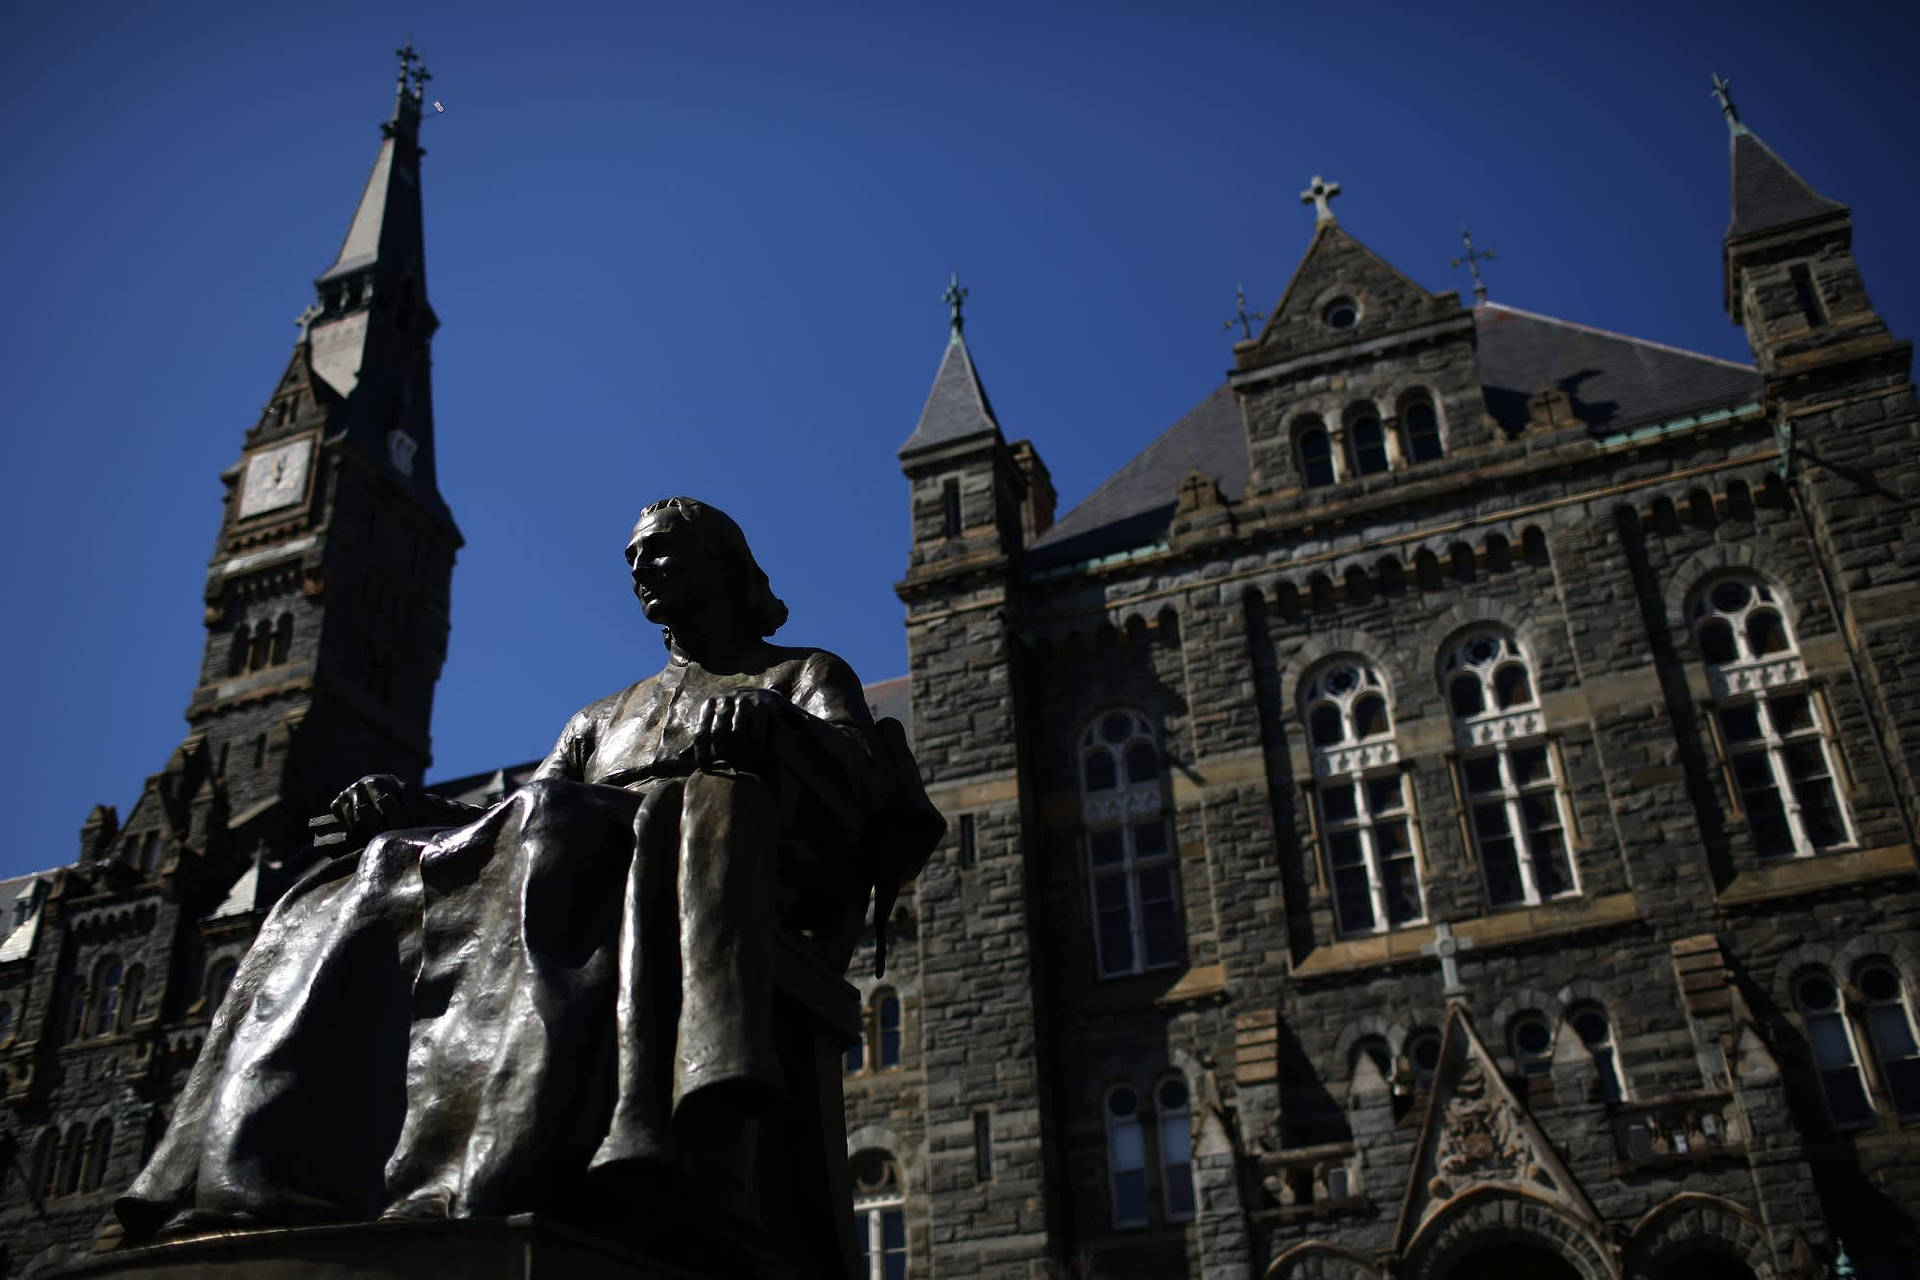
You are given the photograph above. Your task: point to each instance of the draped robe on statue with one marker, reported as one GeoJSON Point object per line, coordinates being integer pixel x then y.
{"type": "Point", "coordinates": [480, 1020]}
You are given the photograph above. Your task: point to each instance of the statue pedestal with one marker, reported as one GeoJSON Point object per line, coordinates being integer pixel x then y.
{"type": "Point", "coordinates": [524, 1247]}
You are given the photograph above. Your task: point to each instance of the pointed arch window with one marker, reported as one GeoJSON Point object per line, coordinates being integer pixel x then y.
{"type": "Point", "coordinates": [41, 1179]}
{"type": "Point", "coordinates": [1835, 1057]}
{"type": "Point", "coordinates": [71, 1152]}
{"type": "Point", "coordinates": [1129, 848]}
{"type": "Point", "coordinates": [1772, 730]}
{"type": "Point", "coordinates": [1508, 771]}
{"type": "Point", "coordinates": [1364, 818]}
{"type": "Point", "coordinates": [1888, 1007]}
{"type": "Point", "coordinates": [132, 995]}
{"type": "Point", "coordinates": [282, 638]}
{"type": "Point", "coordinates": [99, 1148]}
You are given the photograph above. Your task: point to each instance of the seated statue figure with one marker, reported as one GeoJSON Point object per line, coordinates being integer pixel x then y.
{"type": "Point", "coordinates": [561, 1000]}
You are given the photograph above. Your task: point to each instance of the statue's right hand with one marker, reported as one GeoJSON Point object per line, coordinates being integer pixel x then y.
{"type": "Point", "coordinates": [378, 802]}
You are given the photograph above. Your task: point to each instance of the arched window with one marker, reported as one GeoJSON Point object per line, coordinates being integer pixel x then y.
{"type": "Point", "coordinates": [107, 979]}
{"type": "Point", "coordinates": [133, 993]}
{"type": "Point", "coordinates": [1360, 798]}
{"type": "Point", "coordinates": [1171, 1103]}
{"type": "Point", "coordinates": [1367, 441]}
{"type": "Point", "coordinates": [856, 1061]}
{"type": "Point", "coordinates": [1419, 431]}
{"type": "Point", "coordinates": [219, 978]}
{"type": "Point", "coordinates": [1126, 1157]}
{"type": "Point", "coordinates": [150, 851]}
{"type": "Point", "coordinates": [74, 1015]}
{"type": "Point", "coordinates": [879, 1216]}
{"type": "Point", "coordinates": [71, 1151]}
{"type": "Point", "coordinates": [282, 638]}
{"type": "Point", "coordinates": [1421, 1050]}
{"type": "Point", "coordinates": [886, 1019]}
{"type": "Point", "coordinates": [1530, 1036]}
{"type": "Point", "coordinates": [1817, 997]}
{"type": "Point", "coordinates": [1590, 1024]}
{"type": "Point", "coordinates": [1129, 852]}
{"type": "Point", "coordinates": [99, 1148]}
{"type": "Point", "coordinates": [1771, 727]}
{"type": "Point", "coordinates": [41, 1174]}
{"type": "Point", "coordinates": [1889, 1013]}
{"type": "Point", "coordinates": [237, 650]}
{"type": "Point", "coordinates": [1315, 449]}
{"type": "Point", "coordinates": [1507, 770]}
{"type": "Point", "coordinates": [260, 647]}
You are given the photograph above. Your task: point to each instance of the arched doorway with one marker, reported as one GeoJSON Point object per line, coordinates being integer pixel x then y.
{"type": "Point", "coordinates": [1705, 1264]}
{"type": "Point", "coordinates": [1511, 1260]}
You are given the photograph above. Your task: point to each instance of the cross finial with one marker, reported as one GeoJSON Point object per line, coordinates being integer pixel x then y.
{"type": "Point", "coordinates": [1723, 93]}
{"type": "Point", "coordinates": [1241, 316]}
{"type": "Point", "coordinates": [955, 297]}
{"type": "Point", "coordinates": [1473, 258]}
{"type": "Point", "coordinates": [306, 318]}
{"type": "Point", "coordinates": [1320, 194]}
{"type": "Point", "coordinates": [408, 57]}
{"type": "Point", "coordinates": [1448, 948]}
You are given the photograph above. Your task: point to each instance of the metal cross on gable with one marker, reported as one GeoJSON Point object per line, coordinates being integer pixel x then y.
{"type": "Point", "coordinates": [955, 297]}
{"type": "Point", "coordinates": [1242, 316]}
{"type": "Point", "coordinates": [1723, 93]}
{"type": "Point", "coordinates": [1447, 949]}
{"type": "Point", "coordinates": [1320, 194]}
{"type": "Point", "coordinates": [1473, 258]}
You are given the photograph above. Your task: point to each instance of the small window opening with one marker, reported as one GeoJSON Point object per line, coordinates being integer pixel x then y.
{"type": "Point", "coordinates": [969, 840]}
{"type": "Point", "coordinates": [1807, 295]}
{"type": "Point", "coordinates": [950, 506]}
{"type": "Point", "coordinates": [982, 1146]}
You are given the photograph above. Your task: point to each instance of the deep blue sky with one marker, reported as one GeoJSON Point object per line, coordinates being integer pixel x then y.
{"type": "Point", "coordinates": [699, 248]}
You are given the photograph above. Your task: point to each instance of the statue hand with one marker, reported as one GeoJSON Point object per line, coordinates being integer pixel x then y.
{"type": "Point", "coordinates": [378, 802]}
{"type": "Point", "coordinates": [738, 729]}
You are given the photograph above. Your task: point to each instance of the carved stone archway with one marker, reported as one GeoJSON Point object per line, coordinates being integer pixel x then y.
{"type": "Point", "coordinates": [1321, 1260]}
{"type": "Point", "coordinates": [1693, 1225]}
{"type": "Point", "coordinates": [1489, 1216]}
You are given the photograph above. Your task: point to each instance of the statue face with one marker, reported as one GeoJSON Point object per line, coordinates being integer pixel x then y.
{"type": "Point", "coordinates": [665, 556]}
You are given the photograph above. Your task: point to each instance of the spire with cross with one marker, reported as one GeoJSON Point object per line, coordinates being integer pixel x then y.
{"type": "Point", "coordinates": [1723, 94]}
{"type": "Point", "coordinates": [955, 297]}
{"type": "Point", "coordinates": [1242, 317]}
{"type": "Point", "coordinates": [1320, 194]}
{"type": "Point", "coordinates": [1473, 258]}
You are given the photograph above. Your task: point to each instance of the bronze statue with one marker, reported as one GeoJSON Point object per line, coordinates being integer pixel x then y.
{"type": "Point", "coordinates": [561, 1000]}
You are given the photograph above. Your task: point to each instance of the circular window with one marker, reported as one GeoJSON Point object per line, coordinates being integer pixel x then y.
{"type": "Point", "coordinates": [1532, 1038]}
{"type": "Point", "coordinates": [1816, 993]}
{"type": "Point", "coordinates": [1122, 1102]}
{"type": "Point", "coordinates": [1423, 1049]}
{"type": "Point", "coordinates": [1591, 1025]}
{"type": "Point", "coordinates": [1730, 596]}
{"type": "Point", "coordinates": [1341, 313]}
{"type": "Point", "coordinates": [1173, 1095]}
{"type": "Point", "coordinates": [1877, 982]}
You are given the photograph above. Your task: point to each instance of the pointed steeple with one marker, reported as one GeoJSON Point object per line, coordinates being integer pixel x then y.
{"type": "Point", "coordinates": [957, 407]}
{"type": "Point", "coordinates": [381, 265]}
{"type": "Point", "coordinates": [1767, 193]}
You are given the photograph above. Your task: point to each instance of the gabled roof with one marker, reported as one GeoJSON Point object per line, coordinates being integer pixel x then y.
{"type": "Point", "coordinates": [1614, 382]}
{"type": "Point", "coordinates": [1767, 193]}
{"type": "Point", "coordinates": [957, 406]}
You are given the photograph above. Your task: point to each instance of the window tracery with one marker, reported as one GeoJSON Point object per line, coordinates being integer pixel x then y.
{"type": "Point", "coordinates": [1365, 824]}
{"type": "Point", "coordinates": [1129, 847]}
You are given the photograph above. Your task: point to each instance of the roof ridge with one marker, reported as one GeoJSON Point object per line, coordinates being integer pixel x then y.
{"type": "Point", "coordinates": [1609, 333]}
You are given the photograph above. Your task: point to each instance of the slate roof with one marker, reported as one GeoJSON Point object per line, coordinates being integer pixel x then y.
{"type": "Point", "coordinates": [957, 406]}
{"type": "Point", "coordinates": [1767, 193]}
{"type": "Point", "coordinates": [1615, 383]}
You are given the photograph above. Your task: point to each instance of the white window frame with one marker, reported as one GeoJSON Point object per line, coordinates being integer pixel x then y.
{"type": "Point", "coordinates": [1900, 1005]}
{"type": "Point", "coordinates": [1174, 1123]}
{"type": "Point", "coordinates": [1117, 1125]}
{"type": "Point", "coordinates": [870, 1218]}
{"type": "Point", "coordinates": [1124, 809]}
{"type": "Point", "coordinates": [1849, 1039]}
{"type": "Point", "coordinates": [1496, 733]}
{"type": "Point", "coordinates": [1763, 681]}
{"type": "Point", "coordinates": [1351, 762]}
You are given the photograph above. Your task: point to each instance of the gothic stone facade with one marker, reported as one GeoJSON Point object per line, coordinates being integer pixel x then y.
{"type": "Point", "coordinates": [1445, 809]}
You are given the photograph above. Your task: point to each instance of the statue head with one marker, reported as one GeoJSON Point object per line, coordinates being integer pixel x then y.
{"type": "Point", "coordinates": [705, 553]}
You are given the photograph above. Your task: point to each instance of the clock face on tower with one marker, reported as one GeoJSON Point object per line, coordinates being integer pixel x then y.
{"type": "Point", "coordinates": [275, 477]}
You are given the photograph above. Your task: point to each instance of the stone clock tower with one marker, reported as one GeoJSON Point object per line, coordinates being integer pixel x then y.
{"type": "Point", "coordinates": [326, 598]}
